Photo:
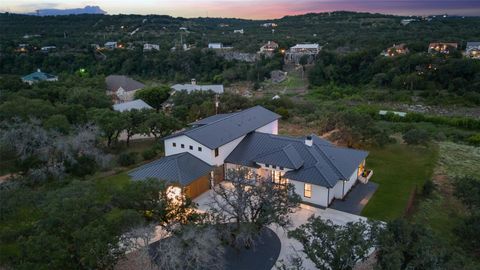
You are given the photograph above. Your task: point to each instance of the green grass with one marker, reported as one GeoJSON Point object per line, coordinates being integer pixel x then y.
{"type": "Point", "coordinates": [398, 169]}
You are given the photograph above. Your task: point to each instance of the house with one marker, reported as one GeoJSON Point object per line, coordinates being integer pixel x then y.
{"type": "Point", "coordinates": [48, 48]}
{"type": "Point", "coordinates": [193, 86]}
{"type": "Point", "coordinates": [269, 24]}
{"type": "Point", "coordinates": [182, 47]}
{"type": "Point", "coordinates": [399, 114]}
{"type": "Point", "coordinates": [39, 76]}
{"type": "Point", "coordinates": [295, 53]}
{"type": "Point", "coordinates": [23, 48]}
{"type": "Point", "coordinates": [407, 21]}
{"type": "Point", "coordinates": [111, 45]}
{"type": "Point", "coordinates": [269, 48]}
{"type": "Point", "coordinates": [199, 157]}
{"type": "Point", "coordinates": [122, 88]}
{"type": "Point", "coordinates": [147, 47]}
{"type": "Point", "coordinates": [473, 50]}
{"type": "Point", "coordinates": [442, 47]}
{"type": "Point", "coordinates": [215, 46]}
{"type": "Point", "coordinates": [396, 50]}
{"type": "Point", "coordinates": [136, 104]}
{"type": "Point", "coordinates": [238, 31]}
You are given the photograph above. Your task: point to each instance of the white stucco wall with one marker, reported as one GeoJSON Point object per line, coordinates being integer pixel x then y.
{"type": "Point", "coordinates": [224, 151]}
{"type": "Point", "coordinates": [319, 194]}
{"type": "Point", "coordinates": [271, 128]}
{"type": "Point", "coordinates": [340, 190]}
{"type": "Point", "coordinates": [205, 155]}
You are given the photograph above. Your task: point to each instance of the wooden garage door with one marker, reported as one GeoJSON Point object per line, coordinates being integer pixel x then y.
{"type": "Point", "coordinates": [197, 187]}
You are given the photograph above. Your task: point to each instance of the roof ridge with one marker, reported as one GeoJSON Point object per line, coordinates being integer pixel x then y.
{"type": "Point", "coordinates": [288, 156]}
{"type": "Point", "coordinates": [324, 155]}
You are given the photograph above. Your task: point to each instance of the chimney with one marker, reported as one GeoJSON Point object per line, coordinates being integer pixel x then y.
{"type": "Point", "coordinates": [308, 140]}
{"type": "Point", "coordinates": [194, 82]}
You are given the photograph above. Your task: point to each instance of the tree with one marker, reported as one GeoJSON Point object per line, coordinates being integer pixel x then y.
{"type": "Point", "coordinates": [161, 125]}
{"type": "Point", "coordinates": [411, 246]}
{"type": "Point", "coordinates": [251, 203]}
{"type": "Point", "coordinates": [134, 122]}
{"type": "Point", "coordinates": [416, 136]}
{"type": "Point", "coordinates": [111, 123]}
{"type": "Point", "coordinates": [154, 96]}
{"type": "Point", "coordinates": [467, 189]}
{"type": "Point", "coordinates": [58, 123]}
{"type": "Point", "coordinates": [303, 61]}
{"type": "Point", "coordinates": [332, 246]}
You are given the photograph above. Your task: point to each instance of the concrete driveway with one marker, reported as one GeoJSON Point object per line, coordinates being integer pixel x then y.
{"type": "Point", "coordinates": [290, 246]}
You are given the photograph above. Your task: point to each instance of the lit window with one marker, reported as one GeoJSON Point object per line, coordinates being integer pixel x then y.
{"type": "Point", "coordinates": [216, 152]}
{"type": "Point", "coordinates": [199, 149]}
{"type": "Point", "coordinates": [191, 147]}
{"type": "Point", "coordinates": [174, 144]}
{"type": "Point", "coordinates": [307, 191]}
{"type": "Point", "coordinates": [183, 145]}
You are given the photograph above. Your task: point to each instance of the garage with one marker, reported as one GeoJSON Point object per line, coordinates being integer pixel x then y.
{"type": "Point", "coordinates": [197, 187]}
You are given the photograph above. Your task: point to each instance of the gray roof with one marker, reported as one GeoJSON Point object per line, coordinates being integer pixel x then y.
{"type": "Point", "coordinates": [473, 45]}
{"type": "Point", "coordinates": [226, 129]}
{"type": "Point", "coordinates": [137, 104]}
{"type": "Point", "coordinates": [321, 164]}
{"type": "Point", "coordinates": [38, 76]}
{"type": "Point", "coordinates": [114, 82]}
{"type": "Point", "coordinates": [217, 88]}
{"type": "Point", "coordinates": [183, 168]}
{"type": "Point", "coordinates": [210, 119]}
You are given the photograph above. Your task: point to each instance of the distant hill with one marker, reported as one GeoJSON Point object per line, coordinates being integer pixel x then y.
{"type": "Point", "coordinates": [71, 11]}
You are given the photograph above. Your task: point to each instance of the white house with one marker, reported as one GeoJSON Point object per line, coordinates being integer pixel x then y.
{"type": "Point", "coordinates": [39, 76]}
{"type": "Point", "coordinates": [204, 153]}
{"type": "Point", "coordinates": [473, 50]}
{"type": "Point", "coordinates": [122, 88]}
{"type": "Point", "coordinates": [215, 46]}
{"type": "Point", "coordinates": [295, 53]}
{"type": "Point", "coordinates": [147, 47]}
{"type": "Point", "coordinates": [111, 45]}
{"type": "Point", "coordinates": [193, 86]}
{"type": "Point", "coordinates": [238, 31]}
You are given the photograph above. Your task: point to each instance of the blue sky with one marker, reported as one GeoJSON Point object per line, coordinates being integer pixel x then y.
{"type": "Point", "coordinates": [254, 8]}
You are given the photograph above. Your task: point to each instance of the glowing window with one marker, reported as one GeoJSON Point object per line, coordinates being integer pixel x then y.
{"type": "Point", "coordinates": [307, 191]}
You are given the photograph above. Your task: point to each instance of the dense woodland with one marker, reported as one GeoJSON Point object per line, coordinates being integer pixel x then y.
{"type": "Point", "coordinates": [70, 204]}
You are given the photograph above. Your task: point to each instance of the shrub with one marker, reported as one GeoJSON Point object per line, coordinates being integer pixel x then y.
{"type": "Point", "coordinates": [149, 154]}
{"type": "Point", "coordinates": [127, 159]}
{"type": "Point", "coordinates": [474, 139]}
{"type": "Point", "coordinates": [416, 136]}
{"type": "Point", "coordinates": [428, 188]}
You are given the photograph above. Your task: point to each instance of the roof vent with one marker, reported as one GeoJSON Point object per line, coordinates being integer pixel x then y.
{"type": "Point", "coordinates": [309, 141]}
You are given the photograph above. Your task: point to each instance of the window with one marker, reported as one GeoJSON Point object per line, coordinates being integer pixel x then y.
{"type": "Point", "coordinates": [216, 152]}
{"type": "Point", "coordinates": [183, 145]}
{"type": "Point", "coordinates": [191, 147]}
{"type": "Point", "coordinates": [307, 191]}
{"type": "Point", "coordinates": [199, 149]}
{"type": "Point", "coordinates": [266, 165]}
{"type": "Point", "coordinates": [174, 144]}
{"type": "Point", "coordinates": [281, 168]}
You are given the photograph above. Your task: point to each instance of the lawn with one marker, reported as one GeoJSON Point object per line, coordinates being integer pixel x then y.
{"type": "Point", "coordinates": [398, 169]}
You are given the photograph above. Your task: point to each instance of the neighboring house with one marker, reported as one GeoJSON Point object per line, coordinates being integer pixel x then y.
{"type": "Point", "coordinates": [407, 21]}
{"type": "Point", "coordinates": [23, 48]}
{"type": "Point", "coordinates": [111, 45]}
{"type": "Point", "coordinates": [384, 113]}
{"type": "Point", "coordinates": [48, 48]}
{"type": "Point", "coordinates": [473, 50]}
{"type": "Point", "coordinates": [150, 47]}
{"type": "Point", "coordinates": [136, 104]}
{"type": "Point", "coordinates": [238, 31]}
{"type": "Point", "coordinates": [193, 86]}
{"type": "Point", "coordinates": [295, 53]}
{"type": "Point", "coordinates": [266, 25]}
{"type": "Point", "coordinates": [39, 76]}
{"type": "Point", "coordinates": [182, 47]}
{"type": "Point", "coordinates": [215, 46]}
{"type": "Point", "coordinates": [396, 50]}
{"type": "Point", "coordinates": [441, 47]}
{"type": "Point", "coordinates": [199, 157]}
{"type": "Point", "coordinates": [269, 48]}
{"type": "Point", "coordinates": [122, 88]}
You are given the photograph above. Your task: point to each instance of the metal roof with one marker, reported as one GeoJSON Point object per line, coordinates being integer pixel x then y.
{"type": "Point", "coordinates": [471, 45]}
{"type": "Point", "coordinates": [286, 157]}
{"type": "Point", "coordinates": [183, 168]}
{"type": "Point", "coordinates": [38, 76]}
{"type": "Point", "coordinates": [229, 128]}
{"type": "Point", "coordinates": [210, 119]}
{"type": "Point", "coordinates": [114, 82]}
{"type": "Point", "coordinates": [322, 163]}
{"type": "Point", "coordinates": [137, 104]}
{"type": "Point", "coordinates": [217, 88]}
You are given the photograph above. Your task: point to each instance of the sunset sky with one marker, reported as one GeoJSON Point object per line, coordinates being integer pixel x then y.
{"type": "Point", "coordinates": [254, 9]}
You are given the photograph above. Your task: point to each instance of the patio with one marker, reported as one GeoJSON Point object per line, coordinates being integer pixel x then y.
{"type": "Point", "coordinates": [357, 199]}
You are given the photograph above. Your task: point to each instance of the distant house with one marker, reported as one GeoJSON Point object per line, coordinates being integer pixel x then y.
{"type": "Point", "coordinates": [48, 48]}
{"type": "Point", "coordinates": [147, 47]}
{"type": "Point", "coordinates": [442, 47]}
{"type": "Point", "coordinates": [269, 24]}
{"type": "Point", "coordinates": [295, 53]}
{"type": "Point", "coordinates": [473, 50]}
{"type": "Point", "coordinates": [136, 104]}
{"type": "Point", "coordinates": [122, 88]}
{"type": "Point", "coordinates": [193, 86]}
{"type": "Point", "coordinates": [238, 31]}
{"type": "Point", "coordinates": [215, 46]}
{"type": "Point", "coordinates": [407, 21]}
{"type": "Point", "coordinates": [111, 45]}
{"type": "Point", "coordinates": [400, 114]}
{"type": "Point", "coordinates": [39, 76]}
{"type": "Point", "coordinates": [396, 50]}
{"type": "Point", "coordinates": [269, 48]}
{"type": "Point", "coordinates": [23, 48]}
{"type": "Point", "coordinates": [182, 47]}
{"type": "Point", "coordinates": [183, 29]}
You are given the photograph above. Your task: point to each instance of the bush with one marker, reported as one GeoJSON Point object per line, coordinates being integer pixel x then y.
{"type": "Point", "coordinates": [474, 139]}
{"type": "Point", "coordinates": [149, 154]}
{"type": "Point", "coordinates": [127, 159]}
{"type": "Point", "coordinates": [428, 188]}
{"type": "Point", "coordinates": [416, 136]}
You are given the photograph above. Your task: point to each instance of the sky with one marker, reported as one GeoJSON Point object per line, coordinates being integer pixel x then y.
{"type": "Point", "coordinates": [253, 9]}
